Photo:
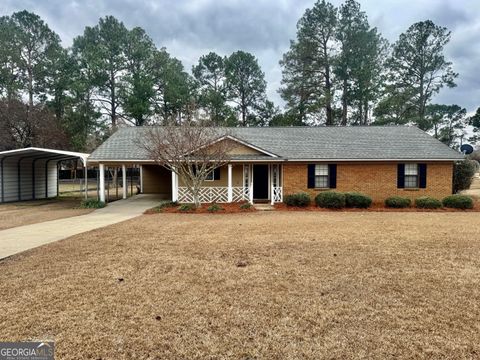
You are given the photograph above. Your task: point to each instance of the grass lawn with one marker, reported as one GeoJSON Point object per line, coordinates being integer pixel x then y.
{"type": "Point", "coordinates": [270, 285]}
{"type": "Point", "coordinates": [32, 212]}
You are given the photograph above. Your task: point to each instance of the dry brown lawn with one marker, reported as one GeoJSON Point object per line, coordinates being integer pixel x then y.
{"type": "Point", "coordinates": [265, 285]}
{"type": "Point", "coordinates": [32, 212]}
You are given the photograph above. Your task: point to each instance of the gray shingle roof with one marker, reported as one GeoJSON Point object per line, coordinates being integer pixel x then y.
{"type": "Point", "coordinates": [306, 143]}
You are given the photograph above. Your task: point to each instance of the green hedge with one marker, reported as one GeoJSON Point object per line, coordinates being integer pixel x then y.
{"type": "Point", "coordinates": [330, 200]}
{"type": "Point", "coordinates": [458, 202]}
{"type": "Point", "coordinates": [427, 202]}
{"type": "Point", "coordinates": [92, 204]}
{"type": "Point", "coordinates": [357, 200]}
{"type": "Point", "coordinates": [397, 202]}
{"type": "Point", "coordinates": [298, 199]}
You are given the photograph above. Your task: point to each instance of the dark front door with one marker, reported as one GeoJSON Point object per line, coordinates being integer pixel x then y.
{"type": "Point", "coordinates": [260, 182]}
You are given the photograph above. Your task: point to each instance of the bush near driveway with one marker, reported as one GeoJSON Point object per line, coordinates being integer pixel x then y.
{"type": "Point", "coordinates": [165, 205]}
{"type": "Point", "coordinates": [357, 200]}
{"type": "Point", "coordinates": [298, 200]}
{"type": "Point", "coordinates": [398, 202]}
{"type": "Point", "coordinates": [330, 200]}
{"type": "Point", "coordinates": [427, 202]}
{"type": "Point", "coordinates": [92, 204]}
{"type": "Point", "coordinates": [458, 202]}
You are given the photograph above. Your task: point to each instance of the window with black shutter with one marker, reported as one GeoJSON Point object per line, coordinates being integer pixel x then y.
{"type": "Point", "coordinates": [322, 176]}
{"type": "Point", "coordinates": [411, 176]}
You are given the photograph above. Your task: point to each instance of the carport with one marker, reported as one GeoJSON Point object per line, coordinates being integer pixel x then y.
{"type": "Point", "coordinates": [32, 173]}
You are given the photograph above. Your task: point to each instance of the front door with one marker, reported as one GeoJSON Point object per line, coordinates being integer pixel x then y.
{"type": "Point", "coordinates": [260, 182]}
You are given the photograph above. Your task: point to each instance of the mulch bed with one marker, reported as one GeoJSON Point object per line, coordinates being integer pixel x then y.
{"type": "Point", "coordinates": [227, 208]}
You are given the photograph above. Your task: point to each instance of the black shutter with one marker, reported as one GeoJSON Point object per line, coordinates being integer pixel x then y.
{"type": "Point", "coordinates": [194, 170]}
{"type": "Point", "coordinates": [401, 176]}
{"type": "Point", "coordinates": [311, 176]}
{"type": "Point", "coordinates": [332, 176]}
{"type": "Point", "coordinates": [422, 176]}
{"type": "Point", "coordinates": [216, 174]}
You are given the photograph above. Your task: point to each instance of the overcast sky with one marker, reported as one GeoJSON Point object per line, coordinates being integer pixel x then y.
{"type": "Point", "coordinates": [191, 28]}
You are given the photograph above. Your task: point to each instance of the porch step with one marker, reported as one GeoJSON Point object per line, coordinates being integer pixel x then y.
{"type": "Point", "coordinates": [263, 207]}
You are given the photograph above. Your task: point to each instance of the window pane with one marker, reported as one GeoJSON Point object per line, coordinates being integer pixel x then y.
{"type": "Point", "coordinates": [209, 176]}
{"type": "Point", "coordinates": [411, 181]}
{"type": "Point", "coordinates": [321, 181]}
{"type": "Point", "coordinates": [321, 170]}
{"type": "Point", "coordinates": [411, 169]}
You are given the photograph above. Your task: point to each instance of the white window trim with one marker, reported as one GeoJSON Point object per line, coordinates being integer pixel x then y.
{"type": "Point", "coordinates": [327, 176]}
{"type": "Point", "coordinates": [417, 176]}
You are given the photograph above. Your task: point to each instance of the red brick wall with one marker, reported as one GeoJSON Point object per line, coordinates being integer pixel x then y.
{"type": "Point", "coordinates": [378, 180]}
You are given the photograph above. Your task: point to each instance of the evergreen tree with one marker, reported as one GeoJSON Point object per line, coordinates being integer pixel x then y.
{"type": "Point", "coordinates": [418, 69]}
{"type": "Point", "coordinates": [246, 84]}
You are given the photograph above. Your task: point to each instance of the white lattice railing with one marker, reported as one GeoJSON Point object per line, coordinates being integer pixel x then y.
{"type": "Point", "coordinates": [219, 194]}
{"type": "Point", "coordinates": [240, 194]}
{"type": "Point", "coordinates": [213, 194]}
{"type": "Point", "coordinates": [277, 194]}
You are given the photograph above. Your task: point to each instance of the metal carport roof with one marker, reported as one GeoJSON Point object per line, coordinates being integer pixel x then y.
{"type": "Point", "coordinates": [26, 174]}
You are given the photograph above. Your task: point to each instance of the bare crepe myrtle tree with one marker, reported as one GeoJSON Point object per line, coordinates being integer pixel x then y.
{"type": "Point", "coordinates": [191, 151]}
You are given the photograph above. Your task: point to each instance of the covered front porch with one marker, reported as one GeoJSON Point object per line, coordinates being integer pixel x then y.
{"type": "Point", "coordinates": [236, 182]}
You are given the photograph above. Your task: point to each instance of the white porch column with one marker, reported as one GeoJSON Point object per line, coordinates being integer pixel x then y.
{"type": "Point", "coordinates": [101, 170]}
{"type": "Point", "coordinates": [85, 176]}
{"type": "Point", "coordinates": [272, 201]}
{"type": "Point", "coordinates": [124, 181]}
{"type": "Point", "coordinates": [174, 186]}
{"type": "Point", "coordinates": [250, 170]}
{"type": "Point", "coordinates": [141, 179]}
{"type": "Point", "coordinates": [230, 182]}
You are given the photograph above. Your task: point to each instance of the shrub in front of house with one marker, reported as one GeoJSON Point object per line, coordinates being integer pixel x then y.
{"type": "Point", "coordinates": [398, 202]}
{"type": "Point", "coordinates": [330, 200]}
{"type": "Point", "coordinates": [298, 200]}
{"type": "Point", "coordinates": [214, 208]}
{"type": "Point", "coordinates": [164, 205]}
{"type": "Point", "coordinates": [357, 200]}
{"type": "Point", "coordinates": [245, 206]}
{"type": "Point", "coordinates": [458, 202]}
{"type": "Point", "coordinates": [92, 204]}
{"type": "Point", "coordinates": [186, 207]}
{"type": "Point", "coordinates": [427, 202]}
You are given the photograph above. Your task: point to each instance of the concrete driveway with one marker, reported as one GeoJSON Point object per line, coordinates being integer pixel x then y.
{"type": "Point", "coordinates": [18, 239]}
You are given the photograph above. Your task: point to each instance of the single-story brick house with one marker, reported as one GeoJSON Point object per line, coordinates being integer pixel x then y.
{"type": "Point", "coordinates": [271, 162]}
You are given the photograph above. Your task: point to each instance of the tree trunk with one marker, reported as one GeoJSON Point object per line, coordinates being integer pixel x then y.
{"type": "Point", "coordinates": [365, 112]}
{"type": "Point", "coordinates": [328, 91]}
{"type": "Point", "coordinates": [113, 100]}
{"type": "Point", "coordinates": [30, 87]}
{"type": "Point", "coordinates": [344, 103]}
{"type": "Point", "coordinates": [328, 86]}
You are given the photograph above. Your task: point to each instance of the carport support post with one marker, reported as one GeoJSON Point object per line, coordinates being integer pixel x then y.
{"type": "Point", "coordinates": [124, 181]}
{"type": "Point", "coordinates": [101, 168]}
{"type": "Point", "coordinates": [250, 177]}
{"type": "Point", "coordinates": [141, 179]}
{"type": "Point", "coordinates": [229, 189]}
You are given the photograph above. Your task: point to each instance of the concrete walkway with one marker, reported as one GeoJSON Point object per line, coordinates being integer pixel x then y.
{"type": "Point", "coordinates": [18, 239]}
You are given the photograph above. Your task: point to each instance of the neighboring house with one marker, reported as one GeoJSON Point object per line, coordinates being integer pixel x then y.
{"type": "Point", "coordinates": [271, 162]}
